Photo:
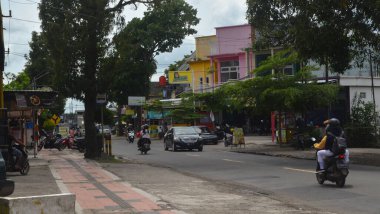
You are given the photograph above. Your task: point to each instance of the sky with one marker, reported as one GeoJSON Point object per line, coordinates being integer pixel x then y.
{"type": "Point", "coordinates": [25, 20]}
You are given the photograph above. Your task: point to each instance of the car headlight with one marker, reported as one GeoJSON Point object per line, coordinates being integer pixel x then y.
{"type": "Point", "coordinates": [200, 138]}
{"type": "Point", "coordinates": [176, 139]}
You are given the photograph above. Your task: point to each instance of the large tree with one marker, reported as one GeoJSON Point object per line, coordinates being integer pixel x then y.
{"type": "Point", "coordinates": [162, 28]}
{"type": "Point", "coordinates": [77, 34]}
{"type": "Point", "coordinates": [332, 33]}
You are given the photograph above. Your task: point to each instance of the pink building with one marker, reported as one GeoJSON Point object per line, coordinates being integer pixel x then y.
{"type": "Point", "coordinates": [233, 52]}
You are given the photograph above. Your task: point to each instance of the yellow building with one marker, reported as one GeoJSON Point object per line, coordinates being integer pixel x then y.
{"type": "Point", "coordinates": [204, 74]}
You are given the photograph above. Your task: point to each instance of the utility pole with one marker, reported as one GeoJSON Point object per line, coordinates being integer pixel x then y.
{"type": "Point", "coordinates": [2, 57]}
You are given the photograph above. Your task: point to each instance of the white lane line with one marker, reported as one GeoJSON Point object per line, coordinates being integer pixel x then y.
{"type": "Point", "coordinates": [192, 155]}
{"type": "Point", "coordinates": [235, 161]}
{"type": "Point", "coordinates": [299, 170]}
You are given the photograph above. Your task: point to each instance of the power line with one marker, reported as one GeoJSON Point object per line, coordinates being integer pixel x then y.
{"type": "Point", "coordinates": [20, 2]}
{"type": "Point", "coordinates": [24, 20]}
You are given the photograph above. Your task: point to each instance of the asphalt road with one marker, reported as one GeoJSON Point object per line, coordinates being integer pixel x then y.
{"type": "Point", "coordinates": [290, 179]}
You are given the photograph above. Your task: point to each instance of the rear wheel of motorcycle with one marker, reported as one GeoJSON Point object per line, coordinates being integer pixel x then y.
{"type": "Point", "coordinates": [173, 148]}
{"type": "Point", "coordinates": [341, 182]}
{"type": "Point", "coordinates": [25, 168]}
{"type": "Point", "coordinates": [145, 152]}
{"type": "Point", "coordinates": [320, 179]}
{"type": "Point", "coordinates": [165, 146]}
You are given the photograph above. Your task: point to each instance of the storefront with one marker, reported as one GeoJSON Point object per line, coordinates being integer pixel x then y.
{"type": "Point", "coordinates": [22, 107]}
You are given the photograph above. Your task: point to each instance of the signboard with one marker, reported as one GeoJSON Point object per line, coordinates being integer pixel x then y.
{"type": "Point", "coordinates": [180, 77]}
{"type": "Point", "coordinates": [101, 98]}
{"type": "Point", "coordinates": [238, 136]}
{"type": "Point", "coordinates": [21, 101]}
{"type": "Point", "coordinates": [56, 119]}
{"type": "Point", "coordinates": [136, 101]}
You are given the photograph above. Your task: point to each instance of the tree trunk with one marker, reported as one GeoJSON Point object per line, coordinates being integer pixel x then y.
{"type": "Point", "coordinates": [93, 148]}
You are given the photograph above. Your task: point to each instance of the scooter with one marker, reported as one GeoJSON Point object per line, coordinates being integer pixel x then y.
{"type": "Point", "coordinates": [144, 145]}
{"type": "Point", "coordinates": [51, 141]}
{"type": "Point", "coordinates": [79, 143]}
{"type": "Point", "coordinates": [131, 136]}
{"type": "Point", "coordinates": [10, 160]}
{"type": "Point", "coordinates": [336, 170]}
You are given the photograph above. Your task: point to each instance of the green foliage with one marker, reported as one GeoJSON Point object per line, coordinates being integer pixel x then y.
{"type": "Point", "coordinates": [108, 116]}
{"type": "Point", "coordinates": [20, 82]}
{"type": "Point", "coordinates": [325, 31]}
{"type": "Point", "coordinates": [162, 28]}
{"type": "Point", "coordinates": [77, 37]}
{"type": "Point", "coordinates": [183, 114]}
{"type": "Point", "coordinates": [264, 94]}
{"type": "Point", "coordinates": [362, 131]}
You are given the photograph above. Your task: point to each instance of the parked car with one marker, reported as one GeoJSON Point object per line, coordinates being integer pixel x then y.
{"type": "Point", "coordinates": [207, 136]}
{"type": "Point", "coordinates": [183, 137]}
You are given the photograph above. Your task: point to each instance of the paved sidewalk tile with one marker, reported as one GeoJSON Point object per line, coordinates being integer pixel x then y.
{"type": "Point", "coordinates": [96, 190]}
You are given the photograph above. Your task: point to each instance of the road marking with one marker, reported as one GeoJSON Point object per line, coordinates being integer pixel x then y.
{"type": "Point", "coordinates": [233, 161]}
{"type": "Point", "coordinates": [192, 155]}
{"type": "Point", "coordinates": [299, 170]}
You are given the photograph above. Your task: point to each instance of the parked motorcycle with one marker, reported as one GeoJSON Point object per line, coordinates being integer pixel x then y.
{"type": "Point", "coordinates": [143, 145]}
{"type": "Point", "coordinates": [79, 143]}
{"type": "Point", "coordinates": [131, 136]}
{"type": "Point", "coordinates": [219, 132]}
{"type": "Point", "coordinates": [336, 170]}
{"type": "Point", "coordinates": [10, 160]}
{"type": "Point", "coordinates": [50, 141]}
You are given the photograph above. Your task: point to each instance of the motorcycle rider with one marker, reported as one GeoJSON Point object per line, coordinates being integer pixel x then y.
{"type": "Point", "coordinates": [130, 128]}
{"type": "Point", "coordinates": [144, 135]}
{"type": "Point", "coordinates": [332, 130]}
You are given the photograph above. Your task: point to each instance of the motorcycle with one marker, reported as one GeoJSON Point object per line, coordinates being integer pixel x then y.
{"type": "Point", "coordinates": [336, 170]}
{"type": "Point", "coordinates": [219, 132]}
{"type": "Point", "coordinates": [79, 143]}
{"type": "Point", "coordinates": [131, 136]}
{"type": "Point", "coordinates": [144, 145]}
{"type": "Point", "coordinates": [50, 141]}
{"type": "Point", "coordinates": [10, 160]}
{"type": "Point", "coordinates": [228, 139]}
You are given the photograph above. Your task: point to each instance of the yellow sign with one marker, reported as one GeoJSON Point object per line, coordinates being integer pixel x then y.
{"type": "Point", "coordinates": [238, 136]}
{"type": "Point", "coordinates": [64, 131]}
{"type": "Point", "coordinates": [129, 112]}
{"type": "Point", "coordinates": [180, 77]}
{"type": "Point", "coordinates": [56, 119]}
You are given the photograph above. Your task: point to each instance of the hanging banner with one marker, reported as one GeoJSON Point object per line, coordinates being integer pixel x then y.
{"type": "Point", "coordinates": [180, 77]}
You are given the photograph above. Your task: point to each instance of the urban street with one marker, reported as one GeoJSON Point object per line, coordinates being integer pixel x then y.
{"type": "Point", "coordinates": [289, 180]}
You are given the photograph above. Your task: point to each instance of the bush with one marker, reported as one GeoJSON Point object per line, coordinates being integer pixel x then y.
{"type": "Point", "coordinates": [360, 136]}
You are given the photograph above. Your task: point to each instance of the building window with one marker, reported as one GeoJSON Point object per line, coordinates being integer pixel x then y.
{"type": "Point", "coordinates": [362, 95]}
{"type": "Point", "coordinates": [207, 81]}
{"type": "Point", "coordinates": [229, 70]}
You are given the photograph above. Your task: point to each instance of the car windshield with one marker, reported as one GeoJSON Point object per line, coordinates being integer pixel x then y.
{"type": "Point", "coordinates": [185, 131]}
{"type": "Point", "coordinates": [202, 130]}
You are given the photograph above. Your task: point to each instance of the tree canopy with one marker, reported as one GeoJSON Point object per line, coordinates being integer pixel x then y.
{"type": "Point", "coordinates": [77, 36]}
{"type": "Point", "coordinates": [277, 92]}
{"type": "Point", "coordinates": [332, 33]}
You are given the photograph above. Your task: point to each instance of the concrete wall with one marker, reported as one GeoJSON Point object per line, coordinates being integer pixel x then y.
{"type": "Point", "coordinates": [58, 203]}
{"type": "Point", "coordinates": [234, 39]}
{"type": "Point", "coordinates": [205, 46]}
{"type": "Point", "coordinates": [359, 85]}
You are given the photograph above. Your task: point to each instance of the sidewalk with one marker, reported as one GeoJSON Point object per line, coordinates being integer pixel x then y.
{"type": "Point", "coordinates": [97, 190]}
{"type": "Point", "coordinates": [263, 145]}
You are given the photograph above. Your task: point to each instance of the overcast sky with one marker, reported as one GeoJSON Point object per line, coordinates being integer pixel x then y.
{"type": "Point", "coordinates": [213, 13]}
